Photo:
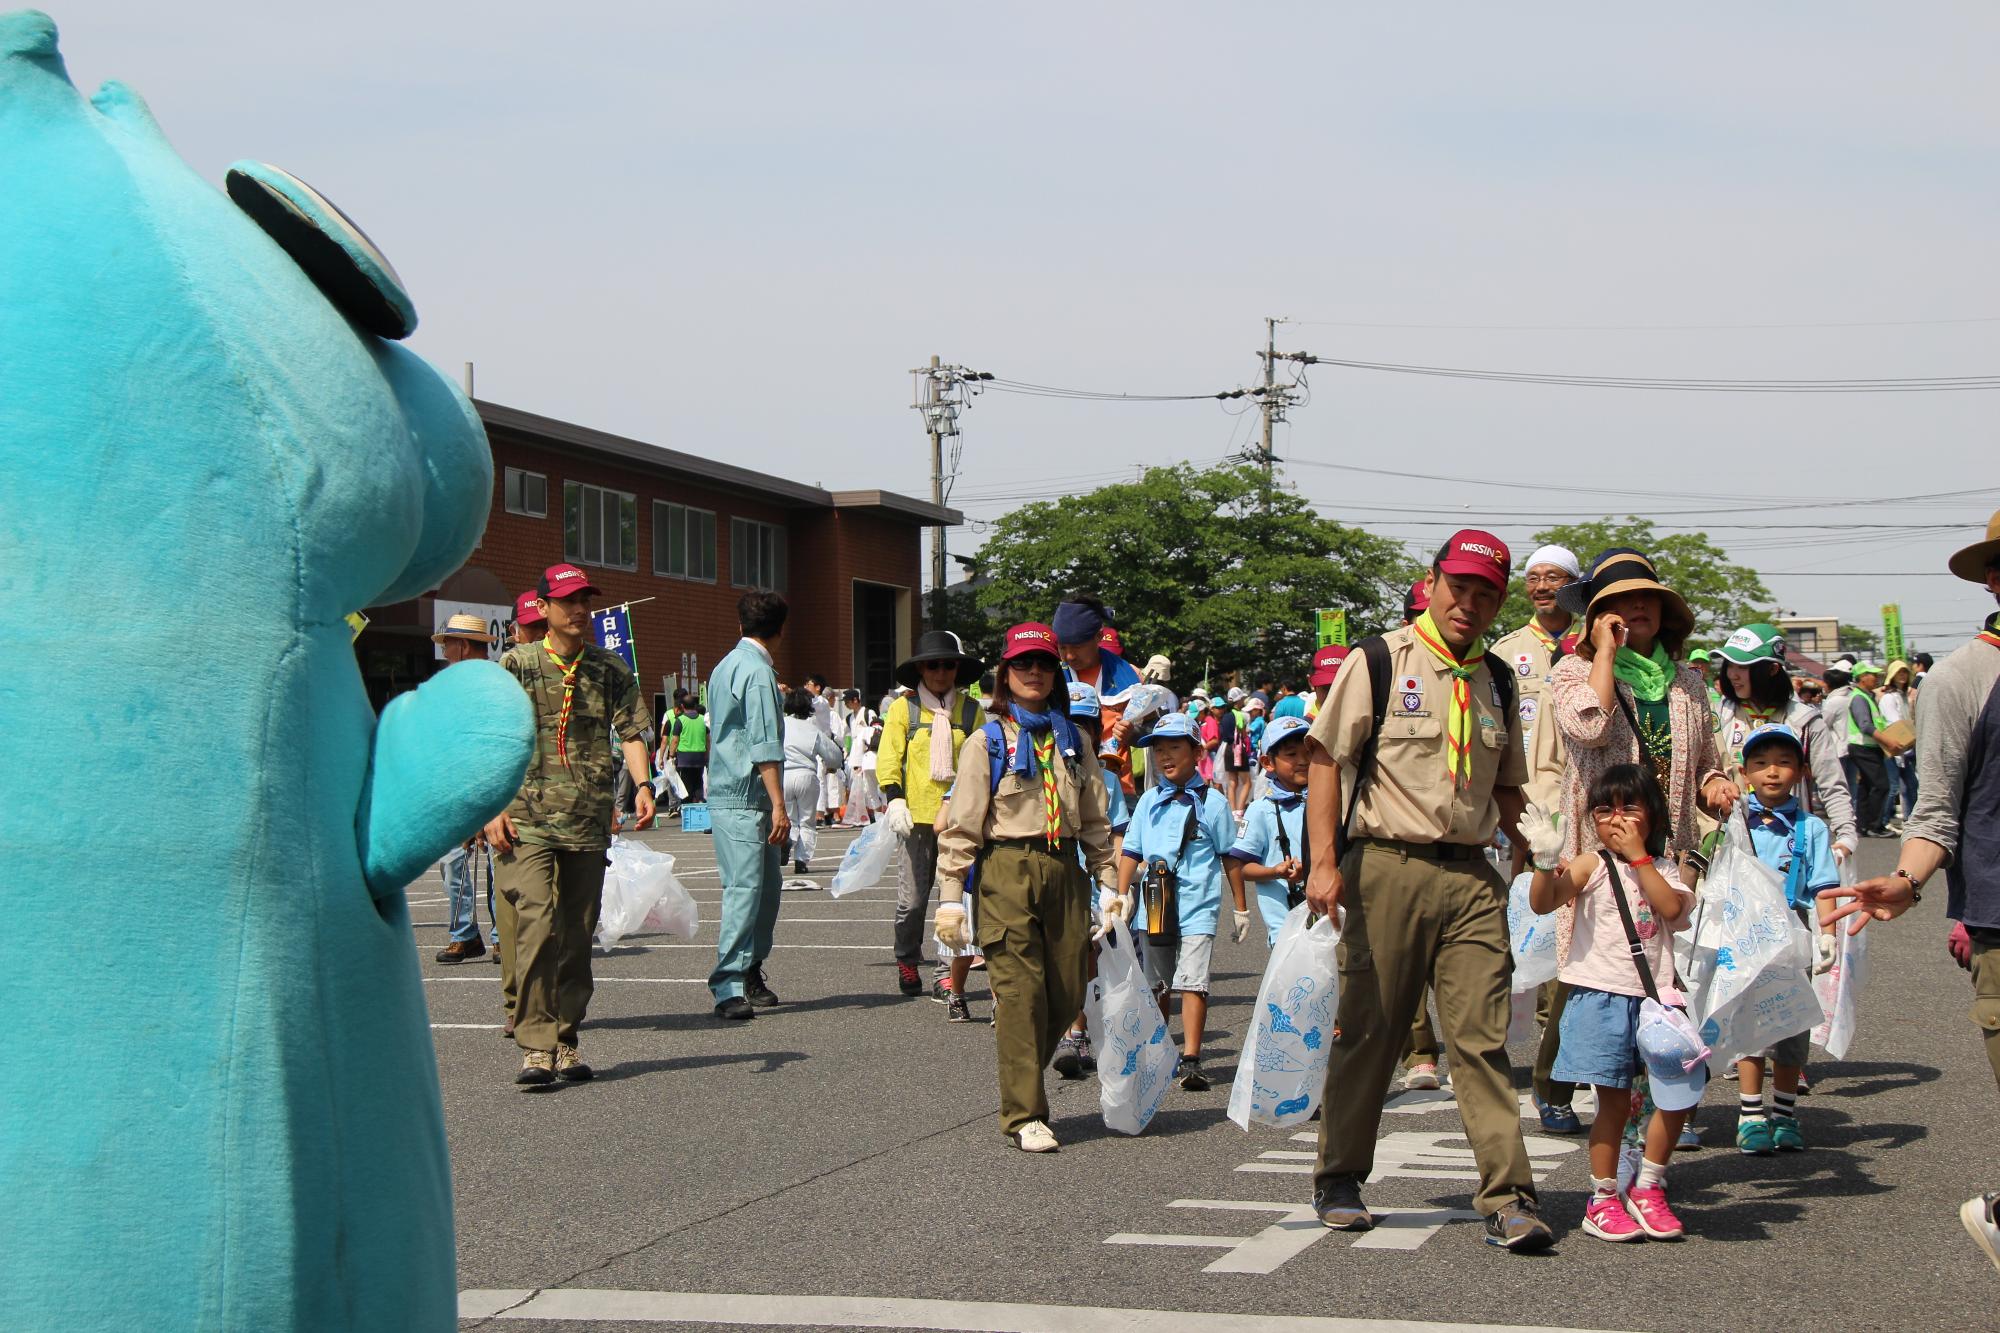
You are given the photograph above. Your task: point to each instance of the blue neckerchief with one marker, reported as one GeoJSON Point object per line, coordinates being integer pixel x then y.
{"type": "Point", "coordinates": [1787, 814]}
{"type": "Point", "coordinates": [1283, 799]}
{"type": "Point", "coordinates": [1040, 724]}
{"type": "Point", "coordinates": [1195, 791]}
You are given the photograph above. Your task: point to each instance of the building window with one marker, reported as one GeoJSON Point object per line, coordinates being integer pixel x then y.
{"type": "Point", "coordinates": [756, 555]}
{"type": "Point", "coordinates": [1803, 640]}
{"type": "Point", "coordinates": [527, 493]}
{"type": "Point", "coordinates": [683, 542]}
{"type": "Point", "coordinates": [600, 527]}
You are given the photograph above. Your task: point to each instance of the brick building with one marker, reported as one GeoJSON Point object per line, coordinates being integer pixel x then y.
{"type": "Point", "coordinates": [690, 533]}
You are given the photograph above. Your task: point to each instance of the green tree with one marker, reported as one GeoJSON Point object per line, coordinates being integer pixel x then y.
{"type": "Point", "coordinates": [1721, 594]}
{"type": "Point", "coordinates": [1861, 640]}
{"type": "Point", "coordinates": [1192, 563]}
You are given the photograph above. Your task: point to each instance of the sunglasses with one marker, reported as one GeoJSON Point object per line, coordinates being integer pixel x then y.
{"type": "Point", "coordinates": [1033, 662]}
{"type": "Point", "coordinates": [937, 666]}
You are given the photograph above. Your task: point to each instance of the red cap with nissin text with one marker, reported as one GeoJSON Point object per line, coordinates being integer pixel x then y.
{"type": "Point", "coordinates": [1479, 554]}
{"type": "Point", "coordinates": [525, 610]}
{"type": "Point", "coordinates": [565, 581]}
{"type": "Point", "coordinates": [1326, 664]}
{"type": "Point", "coordinates": [1029, 637]}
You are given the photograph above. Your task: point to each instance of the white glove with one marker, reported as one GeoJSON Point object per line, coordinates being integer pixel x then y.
{"type": "Point", "coordinates": [1239, 931]}
{"type": "Point", "coordinates": [1116, 912]}
{"type": "Point", "coordinates": [1544, 839]}
{"type": "Point", "coordinates": [951, 926]}
{"type": "Point", "coordinates": [898, 817]}
{"type": "Point", "coordinates": [1829, 950]}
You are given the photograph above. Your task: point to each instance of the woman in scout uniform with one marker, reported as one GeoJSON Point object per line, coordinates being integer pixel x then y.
{"type": "Point", "coordinates": [915, 763]}
{"type": "Point", "coordinates": [1027, 797]}
{"type": "Point", "coordinates": [1757, 692]}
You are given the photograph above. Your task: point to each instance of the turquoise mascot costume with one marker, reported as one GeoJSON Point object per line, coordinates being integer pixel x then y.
{"type": "Point", "coordinates": [219, 1105]}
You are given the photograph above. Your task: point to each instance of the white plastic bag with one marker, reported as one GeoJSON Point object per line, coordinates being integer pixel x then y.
{"type": "Point", "coordinates": [1135, 1060]}
{"type": "Point", "coordinates": [866, 861]}
{"type": "Point", "coordinates": [675, 913]}
{"type": "Point", "coordinates": [636, 882]}
{"type": "Point", "coordinates": [1533, 938]}
{"type": "Point", "coordinates": [1745, 959]}
{"type": "Point", "coordinates": [669, 777]}
{"type": "Point", "coordinates": [1839, 988]}
{"type": "Point", "coordinates": [1282, 1071]}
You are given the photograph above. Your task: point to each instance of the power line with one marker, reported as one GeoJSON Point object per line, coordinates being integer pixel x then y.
{"type": "Point", "coordinates": [1885, 384]}
{"type": "Point", "coordinates": [1104, 396]}
{"type": "Point", "coordinates": [1650, 328]}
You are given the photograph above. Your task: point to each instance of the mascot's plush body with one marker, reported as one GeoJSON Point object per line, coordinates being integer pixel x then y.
{"type": "Point", "coordinates": [220, 1107]}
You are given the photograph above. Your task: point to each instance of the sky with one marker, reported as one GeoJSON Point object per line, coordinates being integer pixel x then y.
{"type": "Point", "coordinates": [734, 230]}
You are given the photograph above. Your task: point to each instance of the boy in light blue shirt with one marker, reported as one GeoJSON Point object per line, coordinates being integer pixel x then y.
{"type": "Point", "coordinates": [1178, 833]}
{"type": "Point", "coordinates": [1799, 847]}
{"type": "Point", "coordinates": [1271, 852]}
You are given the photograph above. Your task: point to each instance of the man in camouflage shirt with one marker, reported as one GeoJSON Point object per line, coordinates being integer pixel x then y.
{"type": "Point", "coordinates": [549, 845]}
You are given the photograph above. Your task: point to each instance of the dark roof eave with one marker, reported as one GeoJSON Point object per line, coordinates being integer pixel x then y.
{"type": "Point", "coordinates": [900, 506]}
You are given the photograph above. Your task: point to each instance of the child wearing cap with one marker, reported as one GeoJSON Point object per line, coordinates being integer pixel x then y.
{"type": "Point", "coordinates": [1625, 909]}
{"type": "Point", "coordinates": [1178, 833]}
{"type": "Point", "coordinates": [1271, 851]}
{"type": "Point", "coordinates": [1799, 847]}
{"type": "Point", "coordinates": [1325, 669]}
{"type": "Point", "coordinates": [1074, 1057]}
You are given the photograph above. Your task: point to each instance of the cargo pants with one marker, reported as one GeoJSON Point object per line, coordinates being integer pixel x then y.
{"type": "Point", "coordinates": [1032, 915]}
{"type": "Point", "coordinates": [552, 897]}
{"type": "Point", "coordinates": [1409, 920]}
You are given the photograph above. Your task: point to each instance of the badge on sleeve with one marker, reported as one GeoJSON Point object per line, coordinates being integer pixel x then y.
{"type": "Point", "coordinates": [1524, 666]}
{"type": "Point", "coordinates": [1530, 707]}
{"type": "Point", "coordinates": [1413, 694]}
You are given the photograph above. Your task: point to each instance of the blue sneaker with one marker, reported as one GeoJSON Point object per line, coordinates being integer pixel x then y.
{"type": "Point", "coordinates": [1754, 1138]}
{"type": "Point", "coordinates": [1558, 1119]}
{"type": "Point", "coordinates": [1690, 1139]}
{"type": "Point", "coordinates": [1785, 1134]}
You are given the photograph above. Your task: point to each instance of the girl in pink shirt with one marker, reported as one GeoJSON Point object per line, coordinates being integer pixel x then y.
{"type": "Point", "coordinates": [1628, 812]}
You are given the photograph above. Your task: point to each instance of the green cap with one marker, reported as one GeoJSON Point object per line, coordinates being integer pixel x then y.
{"type": "Point", "coordinates": [1753, 643]}
{"type": "Point", "coordinates": [1864, 669]}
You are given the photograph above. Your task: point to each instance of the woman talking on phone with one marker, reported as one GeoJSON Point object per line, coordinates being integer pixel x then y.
{"type": "Point", "coordinates": [1625, 697]}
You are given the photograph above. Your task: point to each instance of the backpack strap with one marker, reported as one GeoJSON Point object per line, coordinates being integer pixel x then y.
{"type": "Point", "coordinates": [1503, 684]}
{"type": "Point", "coordinates": [996, 753]}
{"type": "Point", "coordinates": [1375, 652]}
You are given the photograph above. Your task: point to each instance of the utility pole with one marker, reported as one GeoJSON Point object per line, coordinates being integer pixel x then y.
{"type": "Point", "coordinates": [1267, 400]}
{"type": "Point", "coordinates": [941, 391]}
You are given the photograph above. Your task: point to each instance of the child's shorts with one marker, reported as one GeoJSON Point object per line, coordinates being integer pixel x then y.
{"type": "Point", "coordinates": [1600, 1044]}
{"type": "Point", "coordinates": [1188, 958]}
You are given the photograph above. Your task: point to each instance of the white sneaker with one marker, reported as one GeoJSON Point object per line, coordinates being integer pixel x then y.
{"type": "Point", "coordinates": [1421, 1078]}
{"type": "Point", "coordinates": [1977, 1214]}
{"type": "Point", "coordinates": [1034, 1137]}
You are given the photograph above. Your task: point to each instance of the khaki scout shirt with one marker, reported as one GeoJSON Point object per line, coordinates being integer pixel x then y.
{"type": "Point", "coordinates": [976, 814]}
{"type": "Point", "coordinates": [568, 806]}
{"type": "Point", "coordinates": [1529, 658]}
{"type": "Point", "coordinates": [1411, 797]}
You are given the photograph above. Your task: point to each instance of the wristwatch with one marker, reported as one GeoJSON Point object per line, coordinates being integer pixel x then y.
{"type": "Point", "coordinates": [1916, 889]}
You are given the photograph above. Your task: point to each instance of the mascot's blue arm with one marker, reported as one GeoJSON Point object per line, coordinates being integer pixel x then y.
{"type": "Point", "coordinates": [446, 758]}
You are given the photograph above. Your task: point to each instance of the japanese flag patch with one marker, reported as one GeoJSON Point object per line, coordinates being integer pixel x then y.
{"type": "Point", "coordinates": [1524, 666]}
{"type": "Point", "coordinates": [1413, 694]}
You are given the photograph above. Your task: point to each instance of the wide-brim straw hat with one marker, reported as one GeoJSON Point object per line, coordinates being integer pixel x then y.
{"type": "Point", "coordinates": [938, 645]}
{"type": "Point", "coordinates": [1970, 563]}
{"type": "Point", "coordinates": [463, 626]}
{"type": "Point", "coordinates": [1622, 570]}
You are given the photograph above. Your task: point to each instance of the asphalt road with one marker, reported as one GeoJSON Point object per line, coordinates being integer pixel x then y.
{"type": "Point", "coordinates": [841, 1155]}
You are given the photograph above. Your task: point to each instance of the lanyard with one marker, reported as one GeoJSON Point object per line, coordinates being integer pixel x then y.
{"type": "Point", "coordinates": [569, 696]}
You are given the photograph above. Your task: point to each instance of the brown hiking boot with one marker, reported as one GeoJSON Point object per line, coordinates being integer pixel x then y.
{"type": "Point", "coordinates": [538, 1069]}
{"type": "Point", "coordinates": [570, 1065]}
{"type": "Point", "coordinates": [462, 951]}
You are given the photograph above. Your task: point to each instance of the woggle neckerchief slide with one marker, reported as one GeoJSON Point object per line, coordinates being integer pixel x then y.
{"type": "Point", "coordinates": [212, 450]}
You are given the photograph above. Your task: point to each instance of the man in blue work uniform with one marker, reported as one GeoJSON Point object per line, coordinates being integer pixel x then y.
{"type": "Point", "coordinates": [746, 804]}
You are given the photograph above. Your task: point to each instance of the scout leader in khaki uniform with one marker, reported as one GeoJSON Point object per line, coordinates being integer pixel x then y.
{"type": "Point", "coordinates": [1421, 899]}
{"type": "Point", "coordinates": [1531, 653]}
{"type": "Point", "coordinates": [1022, 828]}
{"type": "Point", "coordinates": [549, 844]}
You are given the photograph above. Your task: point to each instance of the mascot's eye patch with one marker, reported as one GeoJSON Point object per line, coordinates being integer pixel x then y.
{"type": "Point", "coordinates": [337, 255]}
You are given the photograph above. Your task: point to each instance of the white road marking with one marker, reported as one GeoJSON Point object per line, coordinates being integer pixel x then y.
{"type": "Point", "coordinates": [636, 981]}
{"type": "Point", "coordinates": [709, 1307]}
{"type": "Point", "coordinates": [1412, 1156]}
{"type": "Point", "coordinates": [1296, 1230]}
{"type": "Point", "coordinates": [466, 1027]}
{"type": "Point", "coordinates": [1442, 1099]}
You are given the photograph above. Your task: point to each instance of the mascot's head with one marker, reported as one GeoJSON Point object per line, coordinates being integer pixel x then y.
{"type": "Point", "coordinates": [205, 417]}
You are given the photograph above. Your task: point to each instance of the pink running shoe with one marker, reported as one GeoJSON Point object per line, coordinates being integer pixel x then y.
{"type": "Point", "coordinates": [1649, 1209]}
{"type": "Point", "coordinates": [1607, 1219]}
